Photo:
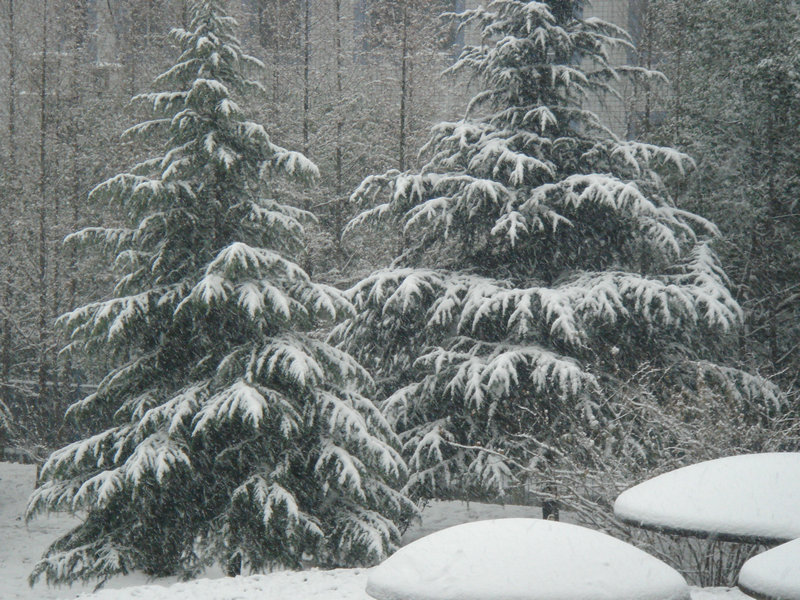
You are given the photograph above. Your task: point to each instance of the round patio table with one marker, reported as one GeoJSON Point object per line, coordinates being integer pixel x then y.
{"type": "Point", "coordinates": [523, 559]}
{"type": "Point", "coordinates": [774, 574]}
{"type": "Point", "coordinates": [749, 498]}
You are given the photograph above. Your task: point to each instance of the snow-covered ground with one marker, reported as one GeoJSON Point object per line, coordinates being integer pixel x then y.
{"type": "Point", "coordinates": [341, 584]}
{"type": "Point", "coordinates": [21, 546]}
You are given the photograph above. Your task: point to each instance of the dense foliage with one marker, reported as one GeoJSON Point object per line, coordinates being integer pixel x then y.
{"type": "Point", "coordinates": [735, 105]}
{"type": "Point", "coordinates": [546, 265]}
{"type": "Point", "coordinates": [225, 429]}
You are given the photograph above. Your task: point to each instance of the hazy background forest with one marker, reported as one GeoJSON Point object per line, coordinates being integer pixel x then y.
{"type": "Point", "coordinates": [356, 86]}
{"type": "Point", "coordinates": [353, 87]}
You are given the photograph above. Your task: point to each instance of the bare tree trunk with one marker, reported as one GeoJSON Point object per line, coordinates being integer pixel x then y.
{"type": "Point", "coordinates": [306, 74]}
{"type": "Point", "coordinates": [680, 28]}
{"type": "Point", "coordinates": [339, 205]}
{"type": "Point", "coordinates": [550, 504]}
{"type": "Point", "coordinates": [773, 210]}
{"type": "Point", "coordinates": [59, 162]}
{"type": "Point", "coordinates": [650, 31]}
{"type": "Point", "coordinates": [78, 100]}
{"type": "Point", "coordinates": [337, 42]}
{"type": "Point", "coordinates": [740, 291]}
{"type": "Point", "coordinates": [272, 47]}
{"type": "Point", "coordinates": [11, 202]}
{"type": "Point", "coordinates": [43, 333]}
{"type": "Point", "coordinates": [307, 262]}
{"type": "Point", "coordinates": [233, 566]}
{"type": "Point", "coordinates": [404, 90]}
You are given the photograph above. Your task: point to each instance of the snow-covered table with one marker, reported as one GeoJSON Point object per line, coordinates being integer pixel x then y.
{"type": "Point", "coordinates": [748, 498]}
{"type": "Point", "coordinates": [774, 574]}
{"type": "Point", "coordinates": [523, 559]}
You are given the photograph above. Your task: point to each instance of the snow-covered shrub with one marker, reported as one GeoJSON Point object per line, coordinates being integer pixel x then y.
{"type": "Point", "coordinates": [226, 429]}
{"type": "Point", "coordinates": [692, 426]}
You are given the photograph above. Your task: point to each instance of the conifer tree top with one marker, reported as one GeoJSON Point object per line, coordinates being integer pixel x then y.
{"type": "Point", "coordinates": [530, 174]}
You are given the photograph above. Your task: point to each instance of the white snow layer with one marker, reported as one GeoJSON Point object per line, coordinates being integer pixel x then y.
{"type": "Point", "coordinates": [773, 574]}
{"type": "Point", "coordinates": [339, 584]}
{"type": "Point", "coordinates": [530, 559]}
{"type": "Point", "coordinates": [752, 496]}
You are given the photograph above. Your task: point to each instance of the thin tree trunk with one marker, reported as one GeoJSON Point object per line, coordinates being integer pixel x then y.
{"type": "Point", "coordinates": [78, 97]}
{"type": "Point", "coordinates": [339, 121]}
{"type": "Point", "coordinates": [72, 262]}
{"type": "Point", "coordinates": [550, 505]}
{"type": "Point", "coordinates": [404, 95]}
{"type": "Point", "coordinates": [773, 210]}
{"type": "Point", "coordinates": [649, 35]}
{"type": "Point", "coordinates": [680, 28]}
{"type": "Point", "coordinates": [271, 45]}
{"type": "Point", "coordinates": [404, 88]}
{"type": "Point", "coordinates": [748, 269]}
{"type": "Point", "coordinates": [43, 223]}
{"type": "Point", "coordinates": [306, 75]}
{"type": "Point", "coordinates": [307, 262]}
{"type": "Point", "coordinates": [11, 203]}
{"type": "Point", "coordinates": [12, 84]}
{"type": "Point", "coordinates": [339, 205]}
{"type": "Point", "coordinates": [56, 125]}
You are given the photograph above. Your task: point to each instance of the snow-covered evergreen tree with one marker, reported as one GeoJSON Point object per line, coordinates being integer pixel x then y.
{"type": "Point", "coordinates": [546, 264]}
{"type": "Point", "coordinates": [226, 430]}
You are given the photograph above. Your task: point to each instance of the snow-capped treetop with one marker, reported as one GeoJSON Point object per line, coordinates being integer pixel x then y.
{"type": "Point", "coordinates": [748, 497]}
{"type": "Point", "coordinates": [523, 559]}
{"type": "Point", "coordinates": [529, 172]}
{"type": "Point", "coordinates": [210, 147]}
{"type": "Point", "coordinates": [774, 574]}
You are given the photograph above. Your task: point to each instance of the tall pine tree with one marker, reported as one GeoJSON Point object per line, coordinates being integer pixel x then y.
{"type": "Point", "coordinates": [548, 273]}
{"type": "Point", "coordinates": [226, 430]}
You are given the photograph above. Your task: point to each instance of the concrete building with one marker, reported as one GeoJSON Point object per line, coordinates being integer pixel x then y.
{"type": "Point", "coordinates": [625, 115]}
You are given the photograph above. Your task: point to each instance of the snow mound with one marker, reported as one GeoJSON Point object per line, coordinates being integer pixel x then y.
{"type": "Point", "coordinates": [718, 593]}
{"type": "Point", "coordinates": [753, 497]}
{"type": "Point", "coordinates": [774, 574]}
{"type": "Point", "coordinates": [530, 559]}
{"type": "Point", "coordinates": [342, 584]}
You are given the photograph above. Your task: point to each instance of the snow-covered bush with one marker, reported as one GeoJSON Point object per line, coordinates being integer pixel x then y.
{"type": "Point", "coordinates": [546, 263]}
{"type": "Point", "coordinates": [225, 429]}
{"type": "Point", "coordinates": [693, 426]}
